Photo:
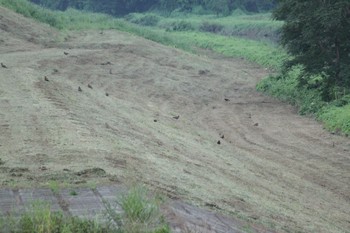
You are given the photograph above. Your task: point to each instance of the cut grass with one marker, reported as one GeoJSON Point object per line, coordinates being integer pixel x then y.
{"type": "Point", "coordinates": [261, 53]}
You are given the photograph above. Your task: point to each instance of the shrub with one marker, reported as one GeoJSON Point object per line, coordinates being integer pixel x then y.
{"type": "Point", "coordinates": [144, 20]}
{"type": "Point", "coordinates": [140, 213]}
{"type": "Point", "coordinates": [180, 26]}
{"type": "Point", "coordinates": [211, 27]}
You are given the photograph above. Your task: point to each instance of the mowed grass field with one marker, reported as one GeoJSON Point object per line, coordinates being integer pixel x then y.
{"type": "Point", "coordinates": [267, 168]}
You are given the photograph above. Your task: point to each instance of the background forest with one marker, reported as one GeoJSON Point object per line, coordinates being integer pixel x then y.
{"type": "Point", "coordinates": [122, 7]}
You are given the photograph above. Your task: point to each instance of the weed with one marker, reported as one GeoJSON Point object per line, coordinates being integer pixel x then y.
{"type": "Point", "coordinates": [54, 186]}
{"type": "Point", "coordinates": [73, 193]}
{"type": "Point", "coordinates": [140, 213]}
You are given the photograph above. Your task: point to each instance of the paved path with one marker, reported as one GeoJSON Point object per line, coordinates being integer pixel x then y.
{"type": "Point", "coordinates": [89, 203]}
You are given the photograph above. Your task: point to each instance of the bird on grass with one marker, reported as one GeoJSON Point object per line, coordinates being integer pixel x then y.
{"type": "Point", "coordinates": [219, 142]}
{"type": "Point", "coordinates": [46, 79]}
{"type": "Point", "coordinates": [223, 136]}
{"type": "Point", "coordinates": [79, 89]}
{"type": "Point", "coordinates": [65, 53]}
{"type": "Point", "coordinates": [256, 124]}
{"type": "Point", "coordinates": [226, 99]}
{"type": "Point", "coordinates": [3, 65]}
{"type": "Point", "coordinates": [89, 86]}
{"type": "Point", "coordinates": [176, 117]}
{"type": "Point", "coordinates": [107, 94]}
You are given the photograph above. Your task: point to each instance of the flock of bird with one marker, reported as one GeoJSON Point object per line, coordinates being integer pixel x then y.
{"type": "Point", "coordinates": [107, 94]}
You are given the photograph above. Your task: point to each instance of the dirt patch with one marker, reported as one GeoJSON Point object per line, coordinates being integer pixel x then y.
{"type": "Point", "coordinates": [272, 167]}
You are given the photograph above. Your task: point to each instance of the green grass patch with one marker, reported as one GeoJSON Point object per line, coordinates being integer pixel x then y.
{"type": "Point", "coordinates": [258, 52]}
{"type": "Point", "coordinates": [140, 214]}
{"type": "Point", "coordinates": [335, 115]}
{"type": "Point", "coordinates": [337, 119]}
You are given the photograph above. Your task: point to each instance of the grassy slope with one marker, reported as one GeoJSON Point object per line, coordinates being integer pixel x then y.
{"type": "Point", "coordinates": [335, 118]}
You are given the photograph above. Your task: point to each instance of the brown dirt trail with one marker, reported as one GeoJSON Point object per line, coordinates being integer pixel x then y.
{"type": "Point", "coordinates": [272, 166]}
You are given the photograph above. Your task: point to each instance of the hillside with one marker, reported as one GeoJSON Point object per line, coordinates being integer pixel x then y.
{"type": "Point", "coordinates": [272, 166]}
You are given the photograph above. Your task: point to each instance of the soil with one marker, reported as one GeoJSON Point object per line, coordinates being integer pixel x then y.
{"type": "Point", "coordinates": [191, 127]}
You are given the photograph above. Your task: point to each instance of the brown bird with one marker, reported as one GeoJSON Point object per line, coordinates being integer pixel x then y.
{"type": "Point", "coordinates": [79, 89]}
{"type": "Point", "coordinates": [3, 65]}
{"type": "Point", "coordinates": [219, 142]}
{"type": "Point", "coordinates": [226, 99]}
{"type": "Point", "coordinates": [65, 53]}
{"type": "Point", "coordinates": [89, 86]}
{"type": "Point", "coordinates": [46, 79]}
{"type": "Point", "coordinates": [176, 117]}
{"type": "Point", "coordinates": [107, 94]}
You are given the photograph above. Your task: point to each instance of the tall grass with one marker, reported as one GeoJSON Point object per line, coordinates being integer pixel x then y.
{"type": "Point", "coordinates": [140, 215]}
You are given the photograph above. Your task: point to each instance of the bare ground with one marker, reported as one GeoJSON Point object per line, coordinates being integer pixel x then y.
{"type": "Point", "coordinates": [272, 166]}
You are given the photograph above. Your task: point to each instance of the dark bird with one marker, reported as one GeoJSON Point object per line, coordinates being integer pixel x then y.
{"type": "Point", "coordinates": [106, 63]}
{"type": "Point", "coordinates": [155, 120]}
{"type": "Point", "coordinates": [79, 89]}
{"type": "Point", "coordinates": [46, 79]}
{"type": "Point", "coordinates": [89, 86]}
{"type": "Point", "coordinates": [227, 99]}
{"type": "Point", "coordinates": [223, 136]}
{"type": "Point", "coordinates": [219, 142]}
{"type": "Point", "coordinates": [176, 117]}
{"type": "Point", "coordinates": [256, 124]}
{"type": "Point", "coordinates": [65, 53]}
{"type": "Point", "coordinates": [3, 65]}
{"type": "Point", "coordinates": [107, 94]}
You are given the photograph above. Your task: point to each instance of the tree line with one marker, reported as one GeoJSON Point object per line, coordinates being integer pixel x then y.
{"type": "Point", "coordinates": [123, 7]}
{"type": "Point", "coordinates": [317, 35]}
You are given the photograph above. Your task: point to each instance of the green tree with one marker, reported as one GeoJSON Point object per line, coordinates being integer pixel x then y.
{"type": "Point", "coordinates": [317, 34]}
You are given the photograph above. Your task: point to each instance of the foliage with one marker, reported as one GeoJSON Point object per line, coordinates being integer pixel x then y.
{"type": "Point", "coordinates": [40, 219]}
{"type": "Point", "coordinates": [123, 7]}
{"type": "Point", "coordinates": [337, 118]}
{"type": "Point", "coordinates": [144, 20]}
{"type": "Point", "coordinates": [211, 27]}
{"type": "Point", "coordinates": [286, 88]}
{"type": "Point", "coordinates": [181, 25]}
{"type": "Point", "coordinates": [140, 213]}
{"type": "Point", "coordinates": [317, 35]}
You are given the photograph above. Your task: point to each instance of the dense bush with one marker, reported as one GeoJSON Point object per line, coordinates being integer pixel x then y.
{"type": "Point", "coordinates": [144, 20]}
{"type": "Point", "coordinates": [211, 27]}
{"type": "Point", "coordinates": [124, 7]}
{"type": "Point", "coordinates": [180, 26]}
{"type": "Point", "coordinates": [316, 34]}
